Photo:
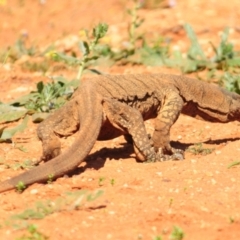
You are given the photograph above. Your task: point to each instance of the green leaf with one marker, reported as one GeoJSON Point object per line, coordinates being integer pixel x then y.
{"type": "Point", "coordinates": [7, 134]}
{"type": "Point", "coordinates": [195, 50]}
{"type": "Point", "coordinates": [1, 130]}
{"type": "Point", "coordinates": [84, 47]}
{"type": "Point", "coordinates": [95, 195]}
{"type": "Point", "coordinates": [231, 82]}
{"type": "Point", "coordinates": [224, 36]}
{"type": "Point", "coordinates": [152, 60]}
{"type": "Point", "coordinates": [177, 233]}
{"type": "Point", "coordinates": [225, 55]}
{"type": "Point", "coordinates": [91, 58]}
{"type": "Point", "coordinates": [185, 64]}
{"type": "Point", "coordinates": [235, 62]}
{"type": "Point", "coordinates": [176, 59]}
{"type": "Point", "coordinates": [100, 30]}
{"type": "Point", "coordinates": [56, 56]}
{"type": "Point", "coordinates": [10, 113]}
{"type": "Point", "coordinates": [21, 101]}
{"type": "Point", "coordinates": [233, 164]}
{"type": "Point", "coordinates": [151, 57]}
{"type": "Point", "coordinates": [40, 86]}
{"type": "Point", "coordinates": [48, 96]}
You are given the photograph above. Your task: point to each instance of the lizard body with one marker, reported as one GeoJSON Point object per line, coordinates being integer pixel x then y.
{"type": "Point", "coordinates": [106, 107]}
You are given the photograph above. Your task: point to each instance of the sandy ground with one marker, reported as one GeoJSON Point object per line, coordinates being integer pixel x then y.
{"type": "Point", "coordinates": [201, 195]}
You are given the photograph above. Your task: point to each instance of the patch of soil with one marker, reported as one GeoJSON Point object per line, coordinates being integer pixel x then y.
{"type": "Point", "coordinates": [201, 195]}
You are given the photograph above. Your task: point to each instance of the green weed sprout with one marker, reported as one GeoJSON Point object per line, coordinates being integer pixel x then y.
{"type": "Point", "coordinates": [136, 22]}
{"type": "Point", "coordinates": [20, 187]}
{"type": "Point", "coordinates": [86, 47]}
{"type": "Point", "coordinates": [177, 233]}
{"type": "Point", "coordinates": [34, 234]}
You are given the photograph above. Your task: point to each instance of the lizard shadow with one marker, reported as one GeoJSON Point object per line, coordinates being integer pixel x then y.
{"type": "Point", "coordinates": [219, 141]}
{"type": "Point", "coordinates": [97, 159]}
{"type": "Point", "coordinates": [185, 146]}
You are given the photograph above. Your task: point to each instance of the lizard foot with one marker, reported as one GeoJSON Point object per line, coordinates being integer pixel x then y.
{"type": "Point", "coordinates": [177, 155]}
{"type": "Point", "coordinates": [51, 149]}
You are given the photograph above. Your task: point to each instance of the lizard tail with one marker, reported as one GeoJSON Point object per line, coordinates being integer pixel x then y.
{"type": "Point", "coordinates": [91, 120]}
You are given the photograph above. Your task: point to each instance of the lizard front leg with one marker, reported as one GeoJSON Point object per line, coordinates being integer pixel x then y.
{"type": "Point", "coordinates": [63, 122]}
{"type": "Point", "coordinates": [167, 116]}
{"type": "Point", "coordinates": [130, 121]}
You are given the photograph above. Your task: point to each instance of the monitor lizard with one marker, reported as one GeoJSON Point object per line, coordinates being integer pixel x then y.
{"type": "Point", "coordinates": [108, 106]}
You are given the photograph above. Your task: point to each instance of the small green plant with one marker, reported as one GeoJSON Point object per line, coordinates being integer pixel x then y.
{"type": "Point", "coordinates": [20, 187]}
{"type": "Point", "coordinates": [100, 181]}
{"type": "Point", "coordinates": [49, 96]}
{"type": "Point", "coordinates": [231, 82]}
{"type": "Point", "coordinates": [5, 133]}
{"type": "Point", "coordinates": [138, 50]}
{"type": "Point", "coordinates": [4, 56]}
{"type": "Point", "coordinates": [33, 234]}
{"type": "Point", "coordinates": [231, 219]}
{"type": "Point", "coordinates": [170, 202]}
{"type": "Point", "coordinates": [157, 238]}
{"type": "Point", "coordinates": [71, 201]}
{"type": "Point", "coordinates": [41, 66]}
{"type": "Point", "coordinates": [177, 233]}
{"type": "Point", "coordinates": [86, 48]}
{"type": "Point", "coordinates": [41, 210]}
{"type": "Point", "coordinates": [50, 178]}
{"type": "Point", "coordinates": [112, 181]}
{"type": "Point", "coordinates": [22, 165]}
{"type": "Point", "coordinates": [195, 59]}
{"type": "Point", "coordinates": [135, 23]}
{"type": "Point", "coordinates": [233, 164]}
{"type": "Point", "coordinates": [225, 56]}
{"type": "Point", "coordinates": [198, 149]}
{"type": "Point", "coordinates": [39, 103]}
{"type": "Point", "coordinates": [19, 49]}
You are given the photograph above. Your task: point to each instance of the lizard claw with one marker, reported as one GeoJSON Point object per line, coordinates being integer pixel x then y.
{"type": "Point", "coordinates": [178, 154]}
{"type": "Point", "coordinates": [159, 155]}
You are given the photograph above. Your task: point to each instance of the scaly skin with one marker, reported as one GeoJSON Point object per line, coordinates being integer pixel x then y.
{"type": "Point", "coordinates": [106, 107]}
{"type": "Point", "coordinates": [72, 158]}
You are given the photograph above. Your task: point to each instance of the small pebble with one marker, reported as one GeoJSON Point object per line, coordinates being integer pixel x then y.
{"type": "Point", "coordinates": [233, 179]}
{"type": "Point", "coordinates": [193, 160]}
{"type": "Point", "coordinates": [213, 181]}
{"type": "Point", "coordinates": [34, 191]}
